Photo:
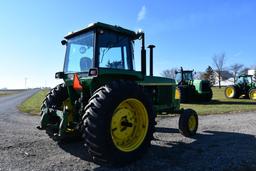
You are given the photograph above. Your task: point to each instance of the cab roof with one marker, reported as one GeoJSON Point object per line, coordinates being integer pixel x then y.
{"type": "Point", "coordinates": [100, 25]}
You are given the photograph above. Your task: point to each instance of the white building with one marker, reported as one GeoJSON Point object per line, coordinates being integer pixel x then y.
{"type": "Point", "coordinates": [251, 72]}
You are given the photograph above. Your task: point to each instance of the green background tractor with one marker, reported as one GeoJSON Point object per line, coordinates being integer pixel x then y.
{"type": "Point", "coordinates": [192, 90]}
{"type": "Point", "coordinates": [244, 86]}
{"type": "Point", "coordinates": [105, 101]}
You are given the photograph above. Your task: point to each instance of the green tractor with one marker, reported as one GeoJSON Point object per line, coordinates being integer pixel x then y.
{"type": "Point", "coordinates": [192, 90]}
{"type": "Point", "coordinates": [244, 86]}
{"type": "Point", "coordinates": [105, 101]}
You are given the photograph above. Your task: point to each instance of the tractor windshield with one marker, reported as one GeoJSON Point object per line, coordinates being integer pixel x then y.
{"type": "Point", "coordinates": [115, 50]}
{"type": "Point", "coordinates": [244, 80]}
{"type": "Point", "coordinates": [187, 76]}
{"type": "Point", "coordinates": [79, 53]}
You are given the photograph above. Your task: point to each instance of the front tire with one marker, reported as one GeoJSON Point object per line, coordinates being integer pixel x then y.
{"type": "Point", "coordinates": [188, 123]}
{"type": "Point", "coordinates": [119, 123]}
{"type": "Point", "coordinates": [252, 94]}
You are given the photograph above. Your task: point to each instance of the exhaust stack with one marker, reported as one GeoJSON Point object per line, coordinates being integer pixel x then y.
{"type": "Point", "coordinates": [151, 47]}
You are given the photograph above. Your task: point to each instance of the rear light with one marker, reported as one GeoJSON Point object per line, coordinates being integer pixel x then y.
{"type": "Point", "coordinates": [93, 72]}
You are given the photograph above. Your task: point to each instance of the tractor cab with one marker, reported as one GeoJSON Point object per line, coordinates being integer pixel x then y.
{"type": "Point", "coordinates": [184, 76]}
{"type": "Point", "coordinates": [99, 47]}
{"type": "Point", "coordinates": [244, 80]}
{"type": "Point", "coordinates": [102, 53]}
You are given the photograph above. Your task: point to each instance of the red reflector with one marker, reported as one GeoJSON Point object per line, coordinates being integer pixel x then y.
{"type": "Point", "coordinates": [76, 83]}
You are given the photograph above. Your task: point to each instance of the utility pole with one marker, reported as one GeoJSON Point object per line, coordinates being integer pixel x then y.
{"type": "Point", "coordinates": [25, 82]}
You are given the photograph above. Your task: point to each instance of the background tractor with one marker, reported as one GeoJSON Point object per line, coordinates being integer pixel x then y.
{"type": "Point", "coordinates": [244, 86]}
{"type": "Point", "coordinates": [105, 101]}
{"type": "Point", "coordinates": [192, 90]}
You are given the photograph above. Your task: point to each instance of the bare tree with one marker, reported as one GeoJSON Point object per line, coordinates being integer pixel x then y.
{"type": "Point", "coordinates": [218, 61]}
{"type": "Point", "coordinates": [169, 73]}
{"type": "Point", "coordinates": [235, 70]}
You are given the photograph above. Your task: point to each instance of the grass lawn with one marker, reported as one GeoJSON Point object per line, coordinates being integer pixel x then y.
{"type": "Point", "coordinates": [33, 104]}
{"type": "Point", "coordinates": [219, 104]}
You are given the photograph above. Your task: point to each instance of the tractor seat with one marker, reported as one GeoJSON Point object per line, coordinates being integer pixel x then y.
{"type": "Point", "coordinates": [85, 64]}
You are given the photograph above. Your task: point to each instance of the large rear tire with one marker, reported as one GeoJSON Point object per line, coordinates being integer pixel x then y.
{"type": "Point", "coordinates": [231, 92]}
{"type": "Point", "coordinates": [207, 97]}
{"type": "Point", "coordinates": [54, 99]}
{"type": "Point", "coordinates": [119, 123]}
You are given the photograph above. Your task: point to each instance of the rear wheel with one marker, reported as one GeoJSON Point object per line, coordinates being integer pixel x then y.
{"type": "Point", "coordinates": [252, 94]}
{"type": "Point", "coordinates": [188, 123]}
{"type": "Point", "coordinates": [55, 99]}
{"type": "Point", "coordinates": [231, 92]}
{"type": "Point", "coordinates": [119, 123]}
{"type": "Point", "coordinates": [209, 96]}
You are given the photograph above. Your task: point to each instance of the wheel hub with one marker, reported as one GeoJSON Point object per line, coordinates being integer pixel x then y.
{"type": "Point", "coordinates": [192, 123]}
{"type": "Point", "coordinates": [253, 96]}
{"type": "Point", "coordinates": [129, 125]}
{"type": "Point", "coordinates": [230, 92]}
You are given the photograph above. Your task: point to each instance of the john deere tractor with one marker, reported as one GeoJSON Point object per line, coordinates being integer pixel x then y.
{"type": "Point", "coordinates": [105, 100]}
{"type": "Point", "coordinates": [192, 90]}
{"type": "Point", "coordinates": [244, 86]}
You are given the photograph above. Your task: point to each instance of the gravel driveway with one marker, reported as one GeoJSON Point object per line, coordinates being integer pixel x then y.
{"type": "Point", "coordinates": [223, 142]}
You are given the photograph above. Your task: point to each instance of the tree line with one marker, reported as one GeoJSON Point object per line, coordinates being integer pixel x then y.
{"type": "Point", "coordinates": [217, 72]}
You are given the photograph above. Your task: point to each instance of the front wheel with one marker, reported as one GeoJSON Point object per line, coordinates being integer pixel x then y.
{"type": "Point", "coordinates": [119, 123]}
{"type": "Point", "coordinates": [188, 123]}
{"type": "Point", "coordinates": [252, 94]}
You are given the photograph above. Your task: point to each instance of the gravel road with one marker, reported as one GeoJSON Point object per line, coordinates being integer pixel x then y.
{"type": "Point", "coordinates": [223, 142]}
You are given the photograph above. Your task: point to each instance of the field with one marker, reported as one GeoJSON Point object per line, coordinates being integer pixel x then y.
{"type": "Point", "coordinates": [218, 105]}
{"type": "Point", "coordinates": [9, 92]}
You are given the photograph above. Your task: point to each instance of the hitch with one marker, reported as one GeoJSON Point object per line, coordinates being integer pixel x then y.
{"type": "Point", "coordinates": [60, 126]}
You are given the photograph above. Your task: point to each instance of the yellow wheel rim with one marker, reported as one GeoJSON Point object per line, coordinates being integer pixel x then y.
{"type": "Point", "coordinates": [192, 123]}
{"type": "Point", "coordinates": [129, 125]}
{"type": "Point", "coordinates": [253, 95]}
{"type": "Point", "coordinates": [230, 92]}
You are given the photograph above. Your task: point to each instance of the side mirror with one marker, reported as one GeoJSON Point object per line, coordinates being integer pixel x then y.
{"type": "Point", "coordinates": [64, 42]}
{"type": "Point", "coordinates": [59, 75]}
{"type": "Point", "coordinates": [176, 72]}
